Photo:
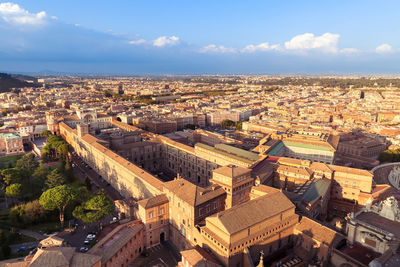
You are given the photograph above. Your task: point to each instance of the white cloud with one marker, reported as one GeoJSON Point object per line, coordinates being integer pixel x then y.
{"type": "Point", "coordinates": [137, 42]}
{"type": "Point", "coordinates": [217, 49]}
{"type": "Point", "coordinates": [260, 47]}
{"type": "Point", "coordinates": [14, 14]}
{"type": "Point", "coordinates": [349, 50]}
{"type": "Point", "coordinates": [166, 41]}
{"type": "Point", "coordinates": [308, 41]}
{"type": "Point", "coordinates": [384, 48]}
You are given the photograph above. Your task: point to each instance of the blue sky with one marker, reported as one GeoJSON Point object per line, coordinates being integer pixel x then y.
{"type": "Point", "coordinates": [200, 37]}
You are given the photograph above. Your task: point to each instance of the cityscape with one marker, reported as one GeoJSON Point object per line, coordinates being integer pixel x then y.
{"type": "Point", "coordinates": [182, 152]}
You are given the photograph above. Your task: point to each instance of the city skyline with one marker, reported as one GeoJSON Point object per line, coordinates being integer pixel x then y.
{"type": "Point", "coordinates": [209, 38]}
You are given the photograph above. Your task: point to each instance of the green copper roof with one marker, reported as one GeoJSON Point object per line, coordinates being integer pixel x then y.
{"type": "Point", "coordinates": [309, 146]}
{"type": "Point", "coordinates": [237, 151]}
{"type": "Point", "coordinates": [9, 135]}
{"type": "Point", "coordinates": [275, 150]}
{"type": "Point", "coordinates": [225, 152]}
{"type": "Point", "coordinates": [316, 190]}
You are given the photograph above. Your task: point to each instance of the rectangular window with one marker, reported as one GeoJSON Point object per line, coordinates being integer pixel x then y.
{"type": "Point", "coordinates": [150, 214]}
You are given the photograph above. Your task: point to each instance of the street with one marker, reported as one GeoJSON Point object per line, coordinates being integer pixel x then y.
{"type": "Point", "coordinates": [97, 182]}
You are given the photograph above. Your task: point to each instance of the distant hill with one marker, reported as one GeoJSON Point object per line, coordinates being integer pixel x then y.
{"type": "Point", "coordinates": [8, 81]}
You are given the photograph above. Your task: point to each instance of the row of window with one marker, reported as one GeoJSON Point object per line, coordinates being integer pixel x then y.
{"type": "Point", "coordinates": [240, 247]}
{"type": "Point", "coordinates": [151, 214]}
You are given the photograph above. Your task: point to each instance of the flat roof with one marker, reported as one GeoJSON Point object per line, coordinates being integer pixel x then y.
{"type": "Point", "coordinates": [226, 153]}
{"type": "Point", "coordinates": [380, 222]}
{"type": "Point", "coordinates": [9, 135]}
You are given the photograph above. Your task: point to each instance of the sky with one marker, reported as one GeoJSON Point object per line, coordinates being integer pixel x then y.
{"type": "Point", "coordinates": [128, 37]}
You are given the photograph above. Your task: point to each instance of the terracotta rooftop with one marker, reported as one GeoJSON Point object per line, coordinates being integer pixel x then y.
{"type": "Point", "coordinates": [63, 256]}
{"type": "Point", "coordinates": [320, 166]}
{"type": "Point", "coordinates": [192, 194]}
{"type": "Point", "coordinates": [349, 170]}
{"type": "Point", "coordinates": [198, 255]}
{"type": "Point", "coordinates": [232, 171]}
{"type": "Point", "coordinates": [251, 212]}
{"type": "Point", "coordinates": [319, 232]}
{"type": "Point", "coordinates": [305, 172]}
{"type": "Point", "coordinates": [153, 201]}
{"type": "Point", "coordinates": [115, 240]}
{"type": "Point", "coordinates": [264, 189]}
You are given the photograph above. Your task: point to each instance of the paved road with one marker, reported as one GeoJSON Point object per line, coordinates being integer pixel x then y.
{"type": "Point", "coordinates": [32, 234]}
{"type": "Point", "coordinates": [28, 246]}
{"type": "Point", "coordinates": [81, 170]}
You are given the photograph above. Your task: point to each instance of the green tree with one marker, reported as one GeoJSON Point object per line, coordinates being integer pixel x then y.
{"type": "Point", "coordinates": [227, 123]}
{"type": "Point", "coordinates": [12, 175]}
{"type": "Point", "coordinates": [39, 176]}
{"type": "Point", "coordinates": [59, 198]}
{"type": "Point", "coordinates": [94, 209]}
{"type": "Point", "coordinates": [27, 162]}
{"type": "Point", "coordinates": [15, 190]}
{"type": "Point", "coordinates": [46, 133]}
{"type": "Point", "coordinates": [55, 178]}
{"type": "Point", "coordinates": [33, 212]}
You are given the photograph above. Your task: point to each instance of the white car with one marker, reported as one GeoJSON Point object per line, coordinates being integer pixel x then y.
{"type": "Point", "coordinates": [90, 236]}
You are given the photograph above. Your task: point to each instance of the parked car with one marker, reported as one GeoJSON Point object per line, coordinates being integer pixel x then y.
{"type": "Point", "coordinates": [83, 249]}
{"type": "Point", "coordinates": [86, 242]}
{"type": "Point", "coordinates": [21, 248]}
{"type": "Point", "coordinates": [90, 237]}
{"type": "Point", "coordinates": [114, 219]}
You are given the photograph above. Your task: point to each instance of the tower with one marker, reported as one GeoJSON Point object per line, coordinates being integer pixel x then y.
{"type": "Point", "coordinates": [82, 129]}
{"type": "Point", "coordinates": [236, 182]}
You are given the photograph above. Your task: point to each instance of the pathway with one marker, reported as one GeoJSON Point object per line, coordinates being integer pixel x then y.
{"type": "Point", "coordinates": [32, 234]}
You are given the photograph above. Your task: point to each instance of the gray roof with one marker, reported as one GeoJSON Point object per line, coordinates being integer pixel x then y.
{"type": "Point", "coordinates": [316, 190]}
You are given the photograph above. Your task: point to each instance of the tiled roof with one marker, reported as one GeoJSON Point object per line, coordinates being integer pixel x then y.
{"type": "Point", "coordinates": [232, 171]}
{"type": "Point", "coordinates": [251, 212]}
{"type": "Point", "coordinates": [115, 240]}
{"type": "Point", "coordinates": [197, 255]}
{"type": "Point", "coordinates": [319, 232]}
{"type": "Point", "coordinates": [153, 201]}
{"type": "Point", "coordinates": [192, 194]}
{"type": "Point", "coordinates": [63, 256]}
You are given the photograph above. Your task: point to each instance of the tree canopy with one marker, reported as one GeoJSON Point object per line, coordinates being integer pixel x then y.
{"type": "Point", "coordinates": [94, 209]}
{"type": "Point", "coordinates": [58, 197]}
{"type": "Point", "coordinates": [54, 178]}
{"type": "Point", "coordinates": [15, 190]}
{"type": "Point", "coordinates": [27, 162]}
